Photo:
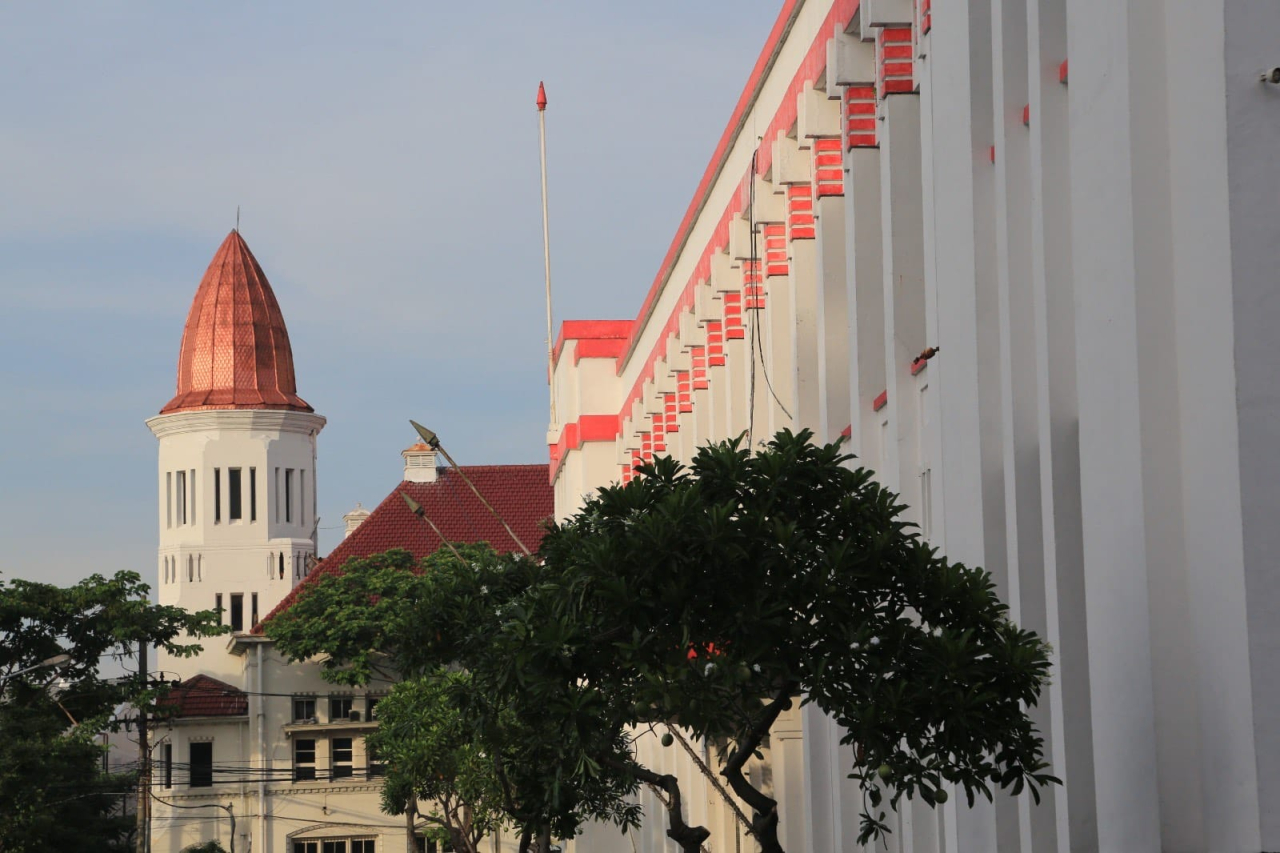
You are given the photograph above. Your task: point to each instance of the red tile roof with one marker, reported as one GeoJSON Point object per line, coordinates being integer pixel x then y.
{"type": "Point", "coordinates": [521, 494]}
{"type": "Point", "coordinates": [235, 349]}
{"type": "Point", "coordinates": [203, 696]}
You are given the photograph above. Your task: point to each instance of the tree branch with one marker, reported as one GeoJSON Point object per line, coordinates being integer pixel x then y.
{"type": "Point", "coordinates": [765, 820]}
{"type": "Point", "coordinates": [689, 838]}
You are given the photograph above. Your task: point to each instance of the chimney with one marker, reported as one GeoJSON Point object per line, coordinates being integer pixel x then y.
{"type": "Point", "coordinates": [354, 519]}
{"type": "Point", "coordinates": [419, 463]}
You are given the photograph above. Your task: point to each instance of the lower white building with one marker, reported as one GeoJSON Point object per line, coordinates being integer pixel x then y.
{"type": "Point", "coordinates": [1022, 253]}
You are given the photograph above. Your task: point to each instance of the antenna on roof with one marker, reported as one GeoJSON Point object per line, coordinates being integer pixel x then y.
{"type": "Point", "coordinates": [237, 219]}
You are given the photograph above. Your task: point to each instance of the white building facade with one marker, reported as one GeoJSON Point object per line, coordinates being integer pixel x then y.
{"type": "Point", "coordinates": [1021, 253]}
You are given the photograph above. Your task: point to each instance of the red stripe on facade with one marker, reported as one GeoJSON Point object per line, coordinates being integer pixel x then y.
{"type": "Point", "coordinates": [881, 401]}
{"type": "Point", "coordinates": [860, 116]}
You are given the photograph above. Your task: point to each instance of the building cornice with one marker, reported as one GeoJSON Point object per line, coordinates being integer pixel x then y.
{"type": "Point", "coordinates": [244, 420]}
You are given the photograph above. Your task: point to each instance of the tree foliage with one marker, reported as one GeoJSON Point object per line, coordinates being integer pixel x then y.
{"type": "Point", "coordinates": [477, 758]}
{"type": "Point", "coordinates": [719, 594]}
{"type": "Point", "coordinates": [53, 793]}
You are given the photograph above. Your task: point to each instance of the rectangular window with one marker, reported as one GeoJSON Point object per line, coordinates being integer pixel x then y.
{"type": "Point", "coordinates": [217, 495]}
{"type": "Point", "coordinates": [302, 496]}
{"type": "Point", "coordinates": [253, 494]}
{"type": "Point", "coordinates": [304, 759]}
{"type": "Point", "coordinates": [233, 494]}
{"type": "Point", "coordinates": [306, 847]}
{"type": "Point", "coordinates": [339, 708]}
{"type": "Point", "coordinates": [288, 495]}
{"type": "Point", "coordinates": [341, 753]}
{"type": "Point", "coordinates": [277, 498]}
{"type": "Point", "coordinates": [192, 480]}
{"type": "Point", "coordinates": [168, 499]}
{"type": "Point", "coordinates": [370, 704]}
{"type": "Point", "coordinates": [376, 768]}
{"type": "Point", "coordinates": [362, 845]}
{"type": "Point", "coordinates": [168, 765]}
{"type": "Point", "coordinates": [217, 605]}
{"type": "Point", "coordinates": [202, 765]}
{"type": "Point", "coordinates": [304, 708]}
{"type": "Point", "coordinates": [237, 611]}
{"type": "Point", "coordinates": [253, 610]}
{"type": "Point", "coordinates": [182, 497]}
{"type": "Point", "coordinates": [333, 846]}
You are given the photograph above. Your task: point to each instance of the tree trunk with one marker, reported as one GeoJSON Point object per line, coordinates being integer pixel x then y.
{"type": "Point", "coordinates": [764, 817]}
{"type": "Point", "coordinates": [689, 838]}
{"type": "Point", "coordinates": [544, 840]}
{"type": "Point", "coordinates": [526, 839]}
{"type": "Point", "coordinates": [410, 813]}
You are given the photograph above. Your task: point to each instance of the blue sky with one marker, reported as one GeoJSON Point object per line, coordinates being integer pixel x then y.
{"type": "Point", "coordinates": [384, 157]}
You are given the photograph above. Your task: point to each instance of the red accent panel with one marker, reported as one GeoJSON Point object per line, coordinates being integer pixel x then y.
{"type": "Point", "coordinates": [1062, 72]}
{"type": "Point", "coordinates": [1026, 115]}
{"type": "Point", "coordinates": [992, 153]}
{"type": "Point", "coordinates": [880, 402]}
{"type": "Point", "coordinates": [752, 285]}
{"type": "Point", "coordinates": [775, 249]}
{"type": "Point", "coordinates": [926, 16]}
{"type": "Point", "coordinates": [918, 365]}
{"type": "Point", "coordinates": [895, 71]}
{"type": "Point", "coordinates": [800, 220]}
{"type": "Point", "coordinates": [847, 432]}
{"type": "Point", "coordinates": [860, 116]}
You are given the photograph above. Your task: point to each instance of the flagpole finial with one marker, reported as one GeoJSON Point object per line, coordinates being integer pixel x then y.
{"type": "Point", "coordinates": [542, 97]}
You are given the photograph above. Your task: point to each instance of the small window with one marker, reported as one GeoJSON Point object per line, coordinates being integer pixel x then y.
{"type": "Point", "coordinates": [192, 481]}
{"type": "Point", "coordinates": [371, 704]}
{"type": "Point", "coordinates": [168, 499]}
{"type": "Point", "coordinates": [168, 765]}
{"type": "Point", "coordinates": [302, 496]}
{"type": "Point", "coordinates": [217, 495]}
{"type": "Point", "coordinates": [362, 845]}
{"type": "Point", "coordinates": [341, 753]}
{"type": "Point", "coordinates": [191, 568]}
{"type": "Point", "coordinates": [253, 494]}
{"type": "Point", "coordinates": [339, 708]}
{"type": "Point", "coordinates": [377, 768]}
{"type": "Point", "coordinates": [277, 500]}
{"type": "Point", "coordinates": [253, 610]}
{"type": "Point", "coordinates": [233, 494]}
{"type": "Point", "coordinates": [282, 565]}
{"type": "Point", "coordinates": [202, 765]}
{"type": "Point", "coordinates": [304, 708]}
{"type": "Point", "coordinates": [306, 847]}
{"type": "Point", "coordinates": [334, 846]}
{"type": "Point", "coordinates": [181, 485]}
{"type": "Point", "coordinates": [237, 611]}
{"type": "Point", "coordinates": [217, 605]}
{"type": "Point", "coordinates": [304, 759]}
{"type": "Point", "coordinates": [288, 496]}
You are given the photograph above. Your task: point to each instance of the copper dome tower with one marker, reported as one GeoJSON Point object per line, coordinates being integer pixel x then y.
{"type": "Point", "coordinates": [235, 348]}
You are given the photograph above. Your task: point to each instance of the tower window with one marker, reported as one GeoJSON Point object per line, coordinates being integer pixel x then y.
{"type": "Point", "coordinates": [168, 499]}
{"type": "Point", "coordinates": [217, 495]}
{"type": "Point", "coordinates": [233, 494]}
{"type": "Point", "coordinates": [182, 497]}
{"type": "Point", "coordinates": [168, 765]}
{"type": "Point", "coordinates": [288, 496]}
{"type": "Point", "coordinates": [282, 565]}
{"type": "Point", "coordinates": [202, 765]}
{"type": "Point", "coordinates": [302, 495]}
{"type": "Point", "coordinates": [277, 500]}
{"type": "Point", "coordinates": [253, 494]}
{"type": "Point", "coordinates": [237, 611]}
{"type": "Point", "coordinates": [253, 609]}
{"type": "Point", "coordinates": [192, 481]}
{"type": "Point", "coordinates": [217, 605]}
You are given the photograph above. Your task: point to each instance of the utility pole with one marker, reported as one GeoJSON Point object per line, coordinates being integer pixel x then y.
{"type": "Point", "coordinates": [144, 759]}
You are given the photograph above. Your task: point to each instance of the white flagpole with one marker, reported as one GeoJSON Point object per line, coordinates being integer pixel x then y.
{"type": "Point", "coordinates": [546, 246]}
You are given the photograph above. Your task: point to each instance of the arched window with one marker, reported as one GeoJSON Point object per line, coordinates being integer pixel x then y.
{"type": "Point", "coordinates": [281, 558]}
{"type": "Point", "coordinates": [200, 567]}
{"type": "Point", "coordinates": [191, 568]}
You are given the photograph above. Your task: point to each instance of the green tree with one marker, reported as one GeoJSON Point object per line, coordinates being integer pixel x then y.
{"type": "Point", "coordinates": [206, 847]}
{"type": "Point", "coordinates": [54, 794]}
{"type": "Point", "coordinates": [719, 595]}
{"type": "Point", "coordinates": [476, 758]}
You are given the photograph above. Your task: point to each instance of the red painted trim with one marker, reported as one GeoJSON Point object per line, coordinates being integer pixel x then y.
{"type": "Point", "coordinates": [1062, 72]}
{"type": "Point", "coordinates": [585, 330]}
{"type": "Point", "coordinates": [880, 402]}
{"type": "Point", "coordinates": [992, 153]}
{"type": "Point", "coordinates": [1026, 115]}
{"type": "Point", "coordinates": [847, 432]}
{"type": "Point", "coordinates": [918, 365]}
{"type": "Point", "coordinates": [575, 433]}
